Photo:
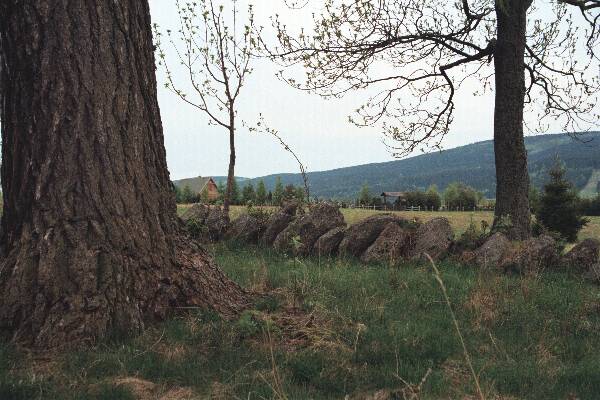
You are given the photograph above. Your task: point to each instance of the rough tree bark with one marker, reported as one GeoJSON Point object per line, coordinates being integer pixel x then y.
{"type": "Point", "coordinates": [512, 179]}
{"type": "Point", "coordinates": [90, 238]}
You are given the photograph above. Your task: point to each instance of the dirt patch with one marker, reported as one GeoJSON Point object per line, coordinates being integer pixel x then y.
{"type": "Point", "coordinates": [179, 394]}
{"type": "Point", "coordinates": [456, 372]}
{"type": "Point", "coordinates": [219, 391]}
{"type": "Point", "coordinates": [293, 328]}
{"type": "Point", "coordinates": [483, 302]}
{"type": "Point", "coordinates": [140, 388]}
{"type": "Point", "coordinates": [171, 351]}
{"type": "Point", "coordinates": [299, 329]}
{"type": "Point", "coordinates": [146, 390]}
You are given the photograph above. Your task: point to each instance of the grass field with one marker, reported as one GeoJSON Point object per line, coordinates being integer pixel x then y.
{"type": "Point", "coordinates": [459, 220]}
{"type": "Point", "coordinates": [327, 329]}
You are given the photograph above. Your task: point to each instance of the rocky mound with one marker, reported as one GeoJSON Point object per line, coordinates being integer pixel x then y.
{"type": "Point", "coordinates": [278, 222]}
{"type": "Point", "coordinates": [245, 228]}
{"type": "Point", "coordinates": [434, 237]}
{"type": "Point", "coordinates": [329, 243]}
{"type": "Point", "coordinates": [301, 234]}
{"type": "Point", "coordinates": [361, 235]}
{"type": "Point", "coordinates": [391, 245]}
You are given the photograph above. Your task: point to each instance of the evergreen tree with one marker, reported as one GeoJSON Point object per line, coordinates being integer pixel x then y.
{"type": "Point", "coordinates": [278, 192]}
{"type": "Point", "coordinates": [559, 209]}
{"type": "Point", "coordinates": [364, 196]}
{"type": "Point", "coordinates": [270, 198]}
{"type": "Point", "coordinates": [178, 194]}
{"type": "Point", "coordinates": [235, 193]}
{"type": "Point", "coordinates": [534, 199]}
{"type": "Point", "coordinates": [300, 194]}
{"type": "Point", "coordinates": [204, 196]}
{"type": "Point", "coordinates": [590, 207]}
{"type": "Point", "coordinates": [248, 194]}
{"type": "Point", "coordinates": [261, 193]}
{"type": "Point", "coordinates": [221, 188]}
{"type": "Point", "coordinates": [187, 196]}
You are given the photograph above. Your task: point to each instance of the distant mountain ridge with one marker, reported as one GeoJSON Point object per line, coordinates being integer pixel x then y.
{"type": "Point", "coordinates": [472, 164]}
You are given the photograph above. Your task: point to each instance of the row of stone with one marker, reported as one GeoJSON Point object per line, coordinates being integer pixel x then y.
{"type": "Point", "coordinates": [387, 238]}
{"type": "Point", "coordinates": [536, 255]}
{"type": "Point", "coordinates": [322, 231]}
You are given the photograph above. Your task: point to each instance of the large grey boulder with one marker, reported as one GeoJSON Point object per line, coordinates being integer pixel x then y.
{"type": "Point", "coordinates": [245, 228]}
{"type": "Point", "coordinates": [197, 212]}
{"type": "Point", "coordinates": [390, 246]}
{"type": "Point", "coordinates": [329, 243]}
{"type": "Point", "coordinates": [301, 234]}
{"type": "Point", "coordinates": [533, 256]}
{"type": "Point", "coordinates": [494, 251]}
{"type": "Point", "coordinates": [361, 235]}
{"type": "Point", "coordinates": [593, 274]}
{"type": "Point", "coordinates": [583, 256]}
{"type": "Point", "coordinates": [217, 223]}
{"type": "Point", "coordinates": [290, 207]}
{"type": "Point", "coordinates": [584, 259]}
{"type": "Point", "coordinates": [278, 221]}
{"type": "Point", "coordinates": [434, 237]}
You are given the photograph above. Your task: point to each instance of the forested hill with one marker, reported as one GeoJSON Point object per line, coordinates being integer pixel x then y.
{"type": "Point", "coordinates": [472, 164]}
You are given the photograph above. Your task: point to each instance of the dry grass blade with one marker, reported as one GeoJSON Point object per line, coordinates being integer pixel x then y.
{"type": "Point", "coordinates": [438, 277]}
{"type": "Point", "coordinates": [277, 385]}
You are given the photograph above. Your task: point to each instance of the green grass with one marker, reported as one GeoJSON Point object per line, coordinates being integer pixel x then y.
{"type": "Point", "coordinates": [327, 328]}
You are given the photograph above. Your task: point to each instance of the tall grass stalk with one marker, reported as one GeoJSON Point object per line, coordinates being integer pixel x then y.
{"type": "Point", "coordinates": [438, 278]}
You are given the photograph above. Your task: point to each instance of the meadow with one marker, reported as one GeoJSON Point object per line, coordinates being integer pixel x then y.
{"type": "Point", "coordinates": [327, 329]}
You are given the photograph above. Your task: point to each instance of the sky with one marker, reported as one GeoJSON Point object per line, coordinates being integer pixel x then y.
{"type": "Point", "coordinates": [317, 130]}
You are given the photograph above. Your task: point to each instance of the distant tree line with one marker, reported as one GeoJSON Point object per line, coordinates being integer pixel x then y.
{"type": "Point", "coordinates": [185, 195]}
{"type": "Point", "coordinates": [456, 196]}
{"type": "Point", "coordinates": [247, 195]}
{"type": "Point", "coordinates": [460, 196]}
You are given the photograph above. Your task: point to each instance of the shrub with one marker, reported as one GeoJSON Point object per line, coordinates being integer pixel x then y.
{"type": "Point", "coordinates": [433, 200]}
{"type": "Point", "coordinates": [461, 196]}
{"type": "Point", "coordinates": [534, 199]}
{"type": "Point", "coordinates": [261, 214]}
{"type": "Point", "coordinates": [248, 194]}
{"type": "Point", "coordinates": [197, 229]}
{"type": "Point", "coordinates": [429, 200]}
{"type": "Point", "coordinates": [590, 207]}
{"type": "Point", "coordinates": [472, 238]}
{"type": "Point", "coordinates": [559, 209]}
{"type": "Point", "coordinates": [364, 196]}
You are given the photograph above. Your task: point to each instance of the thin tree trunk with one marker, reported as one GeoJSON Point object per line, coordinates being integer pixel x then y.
{"type": "Point", "coordinates": [512, 190]}
{"type": "Point", "coordinates": [90, 236]}
{"type": "Point", "coordinates": [231, 169]}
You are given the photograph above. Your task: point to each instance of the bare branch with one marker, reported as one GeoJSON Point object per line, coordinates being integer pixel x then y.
{"type": "Point", "coordinates": [414, 55]}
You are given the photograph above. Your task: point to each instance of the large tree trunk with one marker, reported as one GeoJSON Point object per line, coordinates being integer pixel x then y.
{"type": "Point", "coordinates": [90, 236]}
{"type": "Point", "coordinates": [512, 189]}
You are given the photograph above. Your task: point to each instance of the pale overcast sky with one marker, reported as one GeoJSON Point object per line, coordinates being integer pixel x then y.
{"type": "Point", "coordinates": [316, 129]}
